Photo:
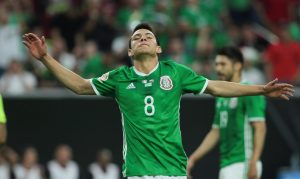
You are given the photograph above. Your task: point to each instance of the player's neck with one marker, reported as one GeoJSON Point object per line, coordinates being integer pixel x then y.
{"type": "Point", "coordinates": [236, 78]}
{"type": "Point", "coordinates": [145, 65]}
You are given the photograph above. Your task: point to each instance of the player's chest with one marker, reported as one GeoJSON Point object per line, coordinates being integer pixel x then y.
{"type": "Point", "coordinates": [230, 112]}
{"type": "Point", "coordinates": [229, 104]}
{"type": "Point", "coordinates": [159, 87]}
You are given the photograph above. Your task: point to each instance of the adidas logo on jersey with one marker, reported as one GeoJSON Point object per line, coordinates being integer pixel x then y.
{"type": "Point", "coordinates": [130, 86]}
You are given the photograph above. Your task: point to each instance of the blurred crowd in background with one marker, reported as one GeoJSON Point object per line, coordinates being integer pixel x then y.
{"type": "Point", "coordinates": [26, 165]}
{"type": "Point", "coordinates": [91, 37]}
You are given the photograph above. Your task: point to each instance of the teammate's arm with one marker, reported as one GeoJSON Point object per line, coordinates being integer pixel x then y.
{"type": "Point", "coordinates": [208, 144]}
{"type": "Point", "coordinates": [259, 128]}
{"type": "Point", "coordinates": [71, 80]}
{"type": "Point", "coordinates": [231, 89]}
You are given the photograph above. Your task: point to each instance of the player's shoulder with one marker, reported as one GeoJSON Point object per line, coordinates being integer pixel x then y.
{"type": "Point", "coordinates": [174, 65]}
{"type": "Point", "coordinates": [170, 63]}
{"type": "Point", "coordinates": [117, 73]}
{"type": "Point", "coordinates": [119, 70]}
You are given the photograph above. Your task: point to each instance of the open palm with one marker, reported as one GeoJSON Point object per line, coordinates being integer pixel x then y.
{"type": "Point", "coordinates": [279, 90]}
{"type": "Point", "coordinates": [35, 45]}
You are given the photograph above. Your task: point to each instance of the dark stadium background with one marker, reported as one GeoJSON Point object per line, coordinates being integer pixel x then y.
{"type": "Point", "coordinates": [88, 124]}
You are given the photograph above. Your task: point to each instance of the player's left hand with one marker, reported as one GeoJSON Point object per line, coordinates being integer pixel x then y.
{"type": "Point", "coordinates": [279, 90]}
{"type": "Point", "coordinates": [252, 173]}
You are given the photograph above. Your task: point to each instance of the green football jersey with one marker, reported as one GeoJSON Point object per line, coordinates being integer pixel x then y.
{"type": "Point", "coordinates": [2, 113]}
{"type": "Point", "coordinates": [233, 117]}
{"type": "Point", "coordinates": [149, 106]}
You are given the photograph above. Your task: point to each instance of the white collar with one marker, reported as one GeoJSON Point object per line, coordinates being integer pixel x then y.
{"type": "Point", "coordinates": [144, 74]}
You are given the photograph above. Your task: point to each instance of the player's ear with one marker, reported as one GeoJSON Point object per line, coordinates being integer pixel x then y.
{"type": "Point", "coordinates": [158, 49]}
{"type": "Point", "coordinates": [130, 52]}
{"type": "Point", "coordinates": [237, 66]}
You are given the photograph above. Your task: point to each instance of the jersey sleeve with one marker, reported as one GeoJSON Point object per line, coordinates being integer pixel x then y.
{"type": "Point", "coordinates": [255, 107]}
{"type": "Point", "coordinates": [216, 122]}
{"type": "Point", "coordinates": [2, 113]}
{"type": "Point", "coordinates": [190, 81]}
{"type": "Point", "coordinates": [104, 85]}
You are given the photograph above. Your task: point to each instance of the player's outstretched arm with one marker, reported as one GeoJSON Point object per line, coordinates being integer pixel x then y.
{"type": "Point", "coordinates": [231, 89]}
{"type": "Point", "coordinates": [38, 49]}
{"type": "Point", "coordinates": [208, 144]}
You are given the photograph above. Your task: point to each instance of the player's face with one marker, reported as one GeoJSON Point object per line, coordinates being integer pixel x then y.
{"type": "Point", "coordinates": [224, 68]}
{"type": "Point", "coordinates": [143, 42]}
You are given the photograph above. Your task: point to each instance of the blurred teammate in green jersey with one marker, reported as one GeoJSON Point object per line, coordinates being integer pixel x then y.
{"type": "Point", "coordinates": [148, 95]}
{"type": "Point", "coordinates": [239, 125]}
{"type": "Point", "coordinates": [2, 124]}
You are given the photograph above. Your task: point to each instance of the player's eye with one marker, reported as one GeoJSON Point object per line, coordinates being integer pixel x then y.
{"type": "Point", "coordinates": [137, 37]}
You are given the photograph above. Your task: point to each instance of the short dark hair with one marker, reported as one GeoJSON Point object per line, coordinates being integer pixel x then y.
{"type": "Point", "coordinates": [233, 53]}
{"type": "Point", "coordinates": [143, 26]}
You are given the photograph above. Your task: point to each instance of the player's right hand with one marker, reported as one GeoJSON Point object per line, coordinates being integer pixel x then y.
{"type": "Point", "coordinates": [252, 173]}
{"type": "Point", "coordinates": [35, 45]}
{"type": "Point", "coordinates": [190, 166]}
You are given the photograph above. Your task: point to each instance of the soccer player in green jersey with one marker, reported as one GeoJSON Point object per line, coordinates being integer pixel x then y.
{"type": "Point", "coordinates": [239, 125]}
{"type": "Point", "coordinates": [148, 95]}
{"type": "Point", "coordinates": [2, 124]}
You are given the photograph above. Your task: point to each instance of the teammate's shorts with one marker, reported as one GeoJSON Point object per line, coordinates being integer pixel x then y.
{"type": "Point", "coordinates": [238, 171]}
{"type": "Point", "coordinates": [159, 177]}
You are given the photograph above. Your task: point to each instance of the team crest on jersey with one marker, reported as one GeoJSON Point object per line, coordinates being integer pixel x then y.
{"type": "Point", "coordinates": [166, 83]}
{"type": "Point", "coordinates": [104, 77]}
{"type": "Point", "coordinates": [233, 103]}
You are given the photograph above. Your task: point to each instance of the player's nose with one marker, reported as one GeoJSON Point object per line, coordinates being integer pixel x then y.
{"type": "Point", "coordinates": [143, 38]}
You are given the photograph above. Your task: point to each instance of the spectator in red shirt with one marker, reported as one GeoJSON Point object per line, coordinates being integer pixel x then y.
{"type": "Point", "coordinates": [278, 11]}
{"type": "Point", "coordinates": [283, 58]}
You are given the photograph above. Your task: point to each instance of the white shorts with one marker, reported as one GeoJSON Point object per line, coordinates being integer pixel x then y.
{"type": "Point", "coordinates": [238, 171]}
{"type": "Point", "coordinates": [159, 177]}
